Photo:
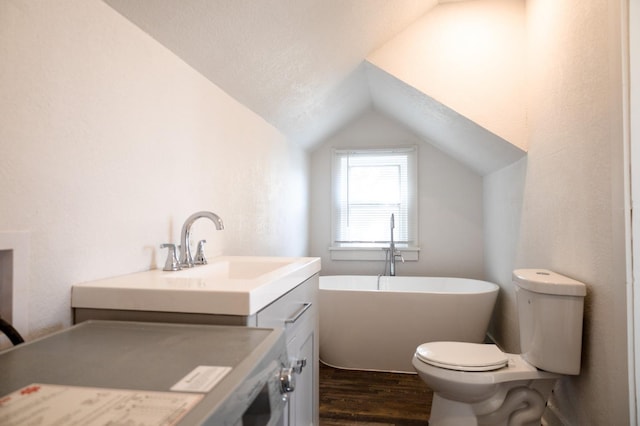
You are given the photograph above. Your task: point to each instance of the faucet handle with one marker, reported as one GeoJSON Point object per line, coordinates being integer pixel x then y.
{"type": "Point", "coordinates": [200, 258]}
{"type": "Point", "coordinates": [172, 263]}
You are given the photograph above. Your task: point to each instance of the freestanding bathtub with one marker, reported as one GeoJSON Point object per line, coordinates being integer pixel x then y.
{"type": "Point", "coordinates": [371, 324]}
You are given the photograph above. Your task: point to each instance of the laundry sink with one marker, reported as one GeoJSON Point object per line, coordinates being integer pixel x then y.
{"type": "Point", "coordinates": [228, 285]}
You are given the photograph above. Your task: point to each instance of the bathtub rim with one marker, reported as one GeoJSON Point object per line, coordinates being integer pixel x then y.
{"type": "Point", "coordinates": [489, 287]}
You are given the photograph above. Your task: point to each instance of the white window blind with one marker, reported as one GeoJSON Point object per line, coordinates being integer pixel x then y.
{"type": "Point", "coordinates": [368, 186]}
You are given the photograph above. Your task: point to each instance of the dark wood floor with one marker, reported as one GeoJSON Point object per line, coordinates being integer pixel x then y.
{"type": "Point", "coordinates": [349, 397]}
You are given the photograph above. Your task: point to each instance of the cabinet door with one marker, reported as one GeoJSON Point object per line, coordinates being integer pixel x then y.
{"type": "Point", "coordinates": [303, 405]}
{"type": "Point", "coordinates": [297, 313]}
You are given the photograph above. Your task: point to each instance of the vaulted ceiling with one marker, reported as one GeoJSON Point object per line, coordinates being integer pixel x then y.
{"type": "Point", "coordinates": [301, 64]}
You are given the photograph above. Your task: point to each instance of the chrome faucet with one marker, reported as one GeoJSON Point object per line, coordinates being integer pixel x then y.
{"type": "Point", "coordinates": [393, 252]}
{"type": "Point", "coordinates": [186, 259]}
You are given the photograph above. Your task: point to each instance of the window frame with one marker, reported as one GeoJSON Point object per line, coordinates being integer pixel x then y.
{"type": "Point", "coordinates": [375, 250]}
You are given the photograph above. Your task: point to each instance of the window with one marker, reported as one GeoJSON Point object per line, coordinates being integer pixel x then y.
{"type": "Point", "coordinates": [369, 185]}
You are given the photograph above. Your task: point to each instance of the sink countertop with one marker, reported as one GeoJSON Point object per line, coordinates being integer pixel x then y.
{"type": "Point", "coordinates": [228, 285]}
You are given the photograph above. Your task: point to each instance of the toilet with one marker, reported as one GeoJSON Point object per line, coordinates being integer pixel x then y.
{"type": "Point", "coordinates": [478, 384]}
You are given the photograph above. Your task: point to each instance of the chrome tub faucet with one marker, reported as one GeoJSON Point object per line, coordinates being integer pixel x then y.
{"type": "Point", "coordinates": [393, 252]}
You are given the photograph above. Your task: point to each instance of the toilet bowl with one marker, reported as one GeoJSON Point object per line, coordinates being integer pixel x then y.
{"type": "Point", "coordinates": [478, 384]}
{"type": "Point", "coordinates": [481, 385]}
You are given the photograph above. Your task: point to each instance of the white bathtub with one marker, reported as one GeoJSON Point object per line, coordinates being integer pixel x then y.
{"type": "Point", "coordinates": [366, 328]}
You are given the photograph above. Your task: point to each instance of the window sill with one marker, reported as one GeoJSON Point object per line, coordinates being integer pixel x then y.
{"type": "Point", "coordinates": [410, 254]}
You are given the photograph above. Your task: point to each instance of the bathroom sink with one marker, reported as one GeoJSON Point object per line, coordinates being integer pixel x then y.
{"type": "Point", "coordinates": [232, 268]}
{"type": "Point", "coordinates": [228, 285]}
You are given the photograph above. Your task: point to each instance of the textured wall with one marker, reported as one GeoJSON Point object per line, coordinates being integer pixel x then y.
{"type": "Point", "coordinates": [109, 142]}
{"type": "Point", "coordinates": [567, 205]}
{"type": "Point", "coordinates": [468, 56]}
{"type": "Point", "coordinates": [450, 204]}
{"type": "Point", "coordinates": [551, 83]}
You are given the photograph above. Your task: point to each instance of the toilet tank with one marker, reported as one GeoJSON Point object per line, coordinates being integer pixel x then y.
{"type": "Point", "coordinates": [550, 308]}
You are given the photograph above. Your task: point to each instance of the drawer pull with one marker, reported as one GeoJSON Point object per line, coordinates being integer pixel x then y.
{"type": "Point", "coordinates": [298, 314]}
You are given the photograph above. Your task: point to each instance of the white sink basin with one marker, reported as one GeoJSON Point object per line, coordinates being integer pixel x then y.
{"type": "Point", "coordinates": [228, 285]}
{"type": "Point", "coordinates": [232, 268]}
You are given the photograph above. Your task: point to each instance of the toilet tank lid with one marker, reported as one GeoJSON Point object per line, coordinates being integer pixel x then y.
{"type": "Point", "coordinates": [548, 282]}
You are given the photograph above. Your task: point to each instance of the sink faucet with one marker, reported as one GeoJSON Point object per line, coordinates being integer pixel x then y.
{"type": "Point", "coordinates": [186, 259]}
{"type": "Point", "coordinates": [393, 252]}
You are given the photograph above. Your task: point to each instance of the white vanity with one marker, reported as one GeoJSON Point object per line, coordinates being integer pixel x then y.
{"type": "Point", "coordinates": [272, 292]}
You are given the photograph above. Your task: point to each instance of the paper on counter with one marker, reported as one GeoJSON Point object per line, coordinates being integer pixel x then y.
{"type": "Point", "coordinates": [43, 405]}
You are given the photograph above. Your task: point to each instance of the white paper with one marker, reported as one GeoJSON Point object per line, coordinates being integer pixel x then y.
{"type": "Point", "coordinates": [43, 405]}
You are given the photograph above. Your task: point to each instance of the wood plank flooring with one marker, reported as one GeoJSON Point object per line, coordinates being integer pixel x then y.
{"type": "Point", "coordinates": [349, 397]}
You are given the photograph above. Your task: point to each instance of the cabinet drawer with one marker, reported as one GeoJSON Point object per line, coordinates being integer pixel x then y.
{"type": "Point", "coordinates": [292, 308]}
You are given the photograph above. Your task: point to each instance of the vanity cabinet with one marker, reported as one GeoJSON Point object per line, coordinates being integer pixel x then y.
{"type": "Point", "coordinates": [296, 312]}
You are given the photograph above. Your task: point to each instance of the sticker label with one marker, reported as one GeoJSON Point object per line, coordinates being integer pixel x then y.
{"type": "Point", "coordinates": [201, 379]}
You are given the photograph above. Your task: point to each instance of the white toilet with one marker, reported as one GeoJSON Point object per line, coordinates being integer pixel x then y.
{"type": "Point", "coordinates": [478, 384]}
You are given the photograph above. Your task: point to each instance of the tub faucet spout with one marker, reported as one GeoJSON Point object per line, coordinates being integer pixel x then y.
{"type": "Point", "coordinates": [393, 252]}
{"type": "Point", "coordinates": [186, 259]}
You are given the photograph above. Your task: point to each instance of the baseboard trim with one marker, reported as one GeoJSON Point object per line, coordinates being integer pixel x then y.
{"type": "Point", "coordinates": [552, 415]}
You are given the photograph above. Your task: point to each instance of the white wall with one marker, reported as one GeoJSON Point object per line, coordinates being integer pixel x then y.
{"type": "Point", "coordinates": [109, 142]}
{"type": "Point", "coordinates": [468, 56]}
{"type": "Point", "coordinates": [633, 295]}
{"type": "Point", "coordinates": [450, 204]}
{"type": "Point", "coordinates": [503, 198]}
{"type": "Point", "coordinates": [562, 207]}
{"type": "Point", "coordinates": [565, 206]}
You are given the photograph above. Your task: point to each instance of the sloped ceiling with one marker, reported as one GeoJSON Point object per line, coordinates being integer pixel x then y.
{"type": "Point", "coordinates": [480, 149]}
{"type": "Point", "coordinates": [300, 64]}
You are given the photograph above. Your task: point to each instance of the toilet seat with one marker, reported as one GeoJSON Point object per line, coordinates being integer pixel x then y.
{"type": "Point", "coordinates": [462, 356]}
